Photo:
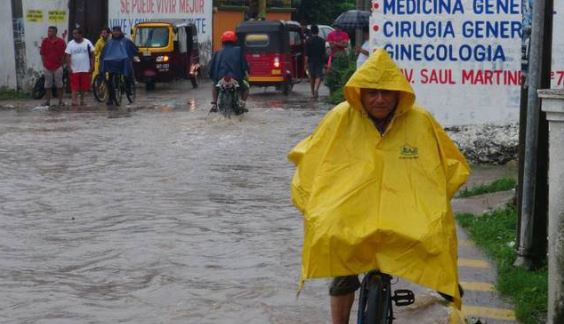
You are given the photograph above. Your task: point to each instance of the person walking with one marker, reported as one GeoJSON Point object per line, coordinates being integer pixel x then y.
{"type": "Point", "coordinates": [374, 183]}
{"type": "Point", "coordinates": [316, 58]}
{"type": "Point", "coordinates": [80, 58]}
{"type": "Point", "coordinates": [53, 57]}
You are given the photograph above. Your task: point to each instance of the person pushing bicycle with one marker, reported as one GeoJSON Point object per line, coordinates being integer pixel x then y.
{"type": "Point", "coordinates": [374, 183]}
{"type": "Point", "coordinates": [117, 58]}
{"type": "Point", "coordinates": [229, 61]}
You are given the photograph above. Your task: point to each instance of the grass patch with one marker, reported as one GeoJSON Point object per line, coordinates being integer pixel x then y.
{"type": "Point", "coordinates": [495, 233]}
{"type": "Point", "coordinates": [502, 184]}
{"type": "Point", "coordinates": [8, 94]}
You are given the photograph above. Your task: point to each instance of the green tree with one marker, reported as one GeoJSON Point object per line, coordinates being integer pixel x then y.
{"type": "Point", "coordinates": [321, 12]}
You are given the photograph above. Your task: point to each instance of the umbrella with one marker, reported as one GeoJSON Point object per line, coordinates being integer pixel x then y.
{"type": "Point", "coordinates": [353, 19]}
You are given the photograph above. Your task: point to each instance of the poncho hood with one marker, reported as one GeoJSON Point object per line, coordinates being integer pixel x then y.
{"type": "Point", "coordinates": [380, 72]}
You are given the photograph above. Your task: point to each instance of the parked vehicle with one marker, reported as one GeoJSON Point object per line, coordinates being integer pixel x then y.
{"type": "Point", "coordinates": [168, 51]}
{"type": "Point", "coordinates": [275, 52]}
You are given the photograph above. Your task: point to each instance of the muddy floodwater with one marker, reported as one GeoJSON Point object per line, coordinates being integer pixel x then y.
{"type": "Point", "coordinates": [166, 216]}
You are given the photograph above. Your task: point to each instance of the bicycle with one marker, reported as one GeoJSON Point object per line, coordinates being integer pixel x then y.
{"type": "Point", "coordinates": [375, 301]}
{"type": "Point", "coordinates": [121, 85]}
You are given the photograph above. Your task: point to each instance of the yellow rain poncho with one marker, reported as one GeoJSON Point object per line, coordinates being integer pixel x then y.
{"type": "Point", "coordinates": [373, 201]}
{"type": "Point", "coordinates": [100, 43]}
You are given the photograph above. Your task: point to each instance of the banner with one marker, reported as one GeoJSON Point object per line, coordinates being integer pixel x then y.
{"type": "Point", "coordinates": [127, 13]}
{"type": "Point", "coordinates": [463, 57]}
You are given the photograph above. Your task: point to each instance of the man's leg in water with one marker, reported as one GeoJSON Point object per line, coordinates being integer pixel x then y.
{"type": "Point", "coordinates": [312, 81]}
{"type": "Point", "coordinates": [342, 298]}
{"type": "Point", "coordinates": [341, 308]}
{"type": "Point", "coordinates": [317, 84]}
{"type": "Point", "coordinates": [215, 94]}
{"type": "Point", "coordinates": [245, 94]}
{"type": "Point", "coordinates": [111, 90]}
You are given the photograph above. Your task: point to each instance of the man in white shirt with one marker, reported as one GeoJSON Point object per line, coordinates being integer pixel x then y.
{"type": "Point", "coordinates": [80, 59]}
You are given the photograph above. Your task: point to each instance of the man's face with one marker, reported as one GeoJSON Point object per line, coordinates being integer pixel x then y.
{"type": "Point", "coordinates": [76, 35]}
{"type": "Point", "coordinates": [51, 32]}
{"type": "Point", "coordinates": [116, 34]}
{"type": "Point", "coordinates": [379, 103]}
{"type": "Point", "coordinates": [104, 34]}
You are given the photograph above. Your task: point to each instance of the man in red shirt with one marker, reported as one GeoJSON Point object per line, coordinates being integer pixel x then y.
{"type": "Point", "coordinates": [338, 41]}
{"type": "Point", "coordinates": [53, 55]}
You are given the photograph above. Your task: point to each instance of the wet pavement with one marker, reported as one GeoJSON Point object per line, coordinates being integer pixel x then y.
{"type": "Point", "coordinates": [171, 215]}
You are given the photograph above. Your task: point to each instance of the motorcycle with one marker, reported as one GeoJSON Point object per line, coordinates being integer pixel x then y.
{"type": "Point", "coordinates": [228, 97]}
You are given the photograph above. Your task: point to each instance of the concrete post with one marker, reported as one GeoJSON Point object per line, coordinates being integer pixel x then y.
{"type": "Point", "coordinates": [553, 105]}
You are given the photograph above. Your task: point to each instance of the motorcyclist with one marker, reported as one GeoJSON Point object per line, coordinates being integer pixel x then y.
{"type": "Point", "coordinates": [117, 58]}
{"type": "Point", "coordinates": [229, 61]}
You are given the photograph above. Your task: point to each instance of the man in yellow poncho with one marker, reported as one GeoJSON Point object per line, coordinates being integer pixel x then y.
{"type": "Point", "coordinates": [100, 43]}
{"type": "Point", "coordinates": [374, 183]}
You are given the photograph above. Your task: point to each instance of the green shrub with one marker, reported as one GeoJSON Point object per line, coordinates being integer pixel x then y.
{"type": "Point", "coordinates": [342, 68]}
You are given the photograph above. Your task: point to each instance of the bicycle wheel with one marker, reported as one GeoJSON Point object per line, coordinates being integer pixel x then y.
{"type": "Point", "coordinates": [130, 91]}
{"type": "Point", "coordinates": [100, 89]}
{"type": "Point", "coordinates": [38, 90]}
{"type": "Point", "coordinates": [118, 89]}
{"type": "Point", "coordinates": [375, 300]}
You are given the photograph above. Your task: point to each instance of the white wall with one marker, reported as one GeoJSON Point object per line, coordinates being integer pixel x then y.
{"type": "Point", "coordinates": [126, 13]}
{"type": "Point", "coordinates": [38, 15]}
{"type": "Point", "coordinates": [492, 94]}
{"type": "Point", "coordinates": [7, 55]}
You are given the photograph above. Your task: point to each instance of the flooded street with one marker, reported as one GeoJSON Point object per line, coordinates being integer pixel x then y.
{"type": "Point", "coordinates": [168, 216]}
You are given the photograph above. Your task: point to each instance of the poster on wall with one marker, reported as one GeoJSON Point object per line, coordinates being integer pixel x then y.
{"type": "Point", "coordinates": [462, 57]}
{"type": "Point", "coordinates": [127, 13]}
{"type": "Point", "coordinates": [34, 15]}
{"type": "Point", "coordinates": [57, 16]}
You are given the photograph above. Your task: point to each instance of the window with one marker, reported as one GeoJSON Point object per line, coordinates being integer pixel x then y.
{"type": "Point", "coordinates": [147, 37]}
{"type": "Point", "coordinates": [257, 40]}
{"type": "Point", "coordinates": [295, 38]}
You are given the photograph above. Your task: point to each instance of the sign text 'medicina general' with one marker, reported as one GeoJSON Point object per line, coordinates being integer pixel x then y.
{"type": "Point", "coordinates": [464, 31]}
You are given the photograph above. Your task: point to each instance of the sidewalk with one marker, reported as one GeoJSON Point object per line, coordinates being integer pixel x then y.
{"type": "Point", "coordinates": [477, 273]}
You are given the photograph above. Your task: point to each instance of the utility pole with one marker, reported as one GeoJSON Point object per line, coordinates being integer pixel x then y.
{"type": "Point", "coordinates": [533, 170]}
{"type": "Point", "coordinates": [358, 32]}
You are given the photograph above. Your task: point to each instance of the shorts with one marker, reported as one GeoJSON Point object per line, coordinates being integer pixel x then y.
{"type": "Point", "coordinates": [53, 77]}
{"type": "Point", "coordinates": [80, 81]}
{"type": "Point", "coordinates": [344, 285]}
{"type": "Point", "coordinates": [315, 70]}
